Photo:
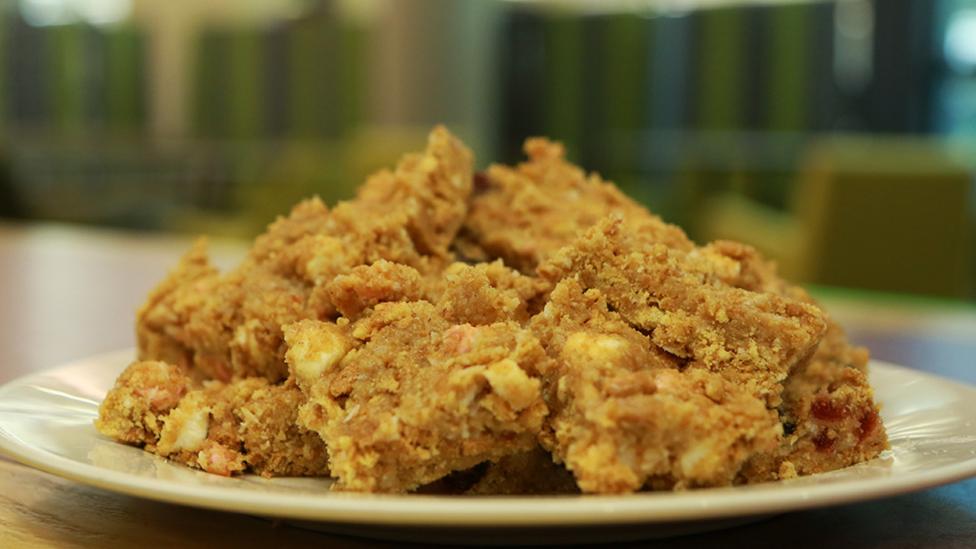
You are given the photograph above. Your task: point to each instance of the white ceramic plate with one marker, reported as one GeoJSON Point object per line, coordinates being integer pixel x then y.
{"type": "Point", "coordinates": [46, 422]}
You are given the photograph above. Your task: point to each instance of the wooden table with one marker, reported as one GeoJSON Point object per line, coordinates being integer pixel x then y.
{"type": "Point", "coordinates": [67, 293]}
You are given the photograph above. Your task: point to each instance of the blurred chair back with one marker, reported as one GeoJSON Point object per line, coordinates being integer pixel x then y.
{"type": "Point", "coordinates": [888, 214]}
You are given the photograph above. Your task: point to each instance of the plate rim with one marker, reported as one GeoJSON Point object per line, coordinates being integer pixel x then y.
{"type": "Point", "coordinates": [480, 511]}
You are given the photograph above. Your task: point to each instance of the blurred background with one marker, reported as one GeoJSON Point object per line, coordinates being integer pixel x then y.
{"type": "Point", "coordinates": [839, 137]}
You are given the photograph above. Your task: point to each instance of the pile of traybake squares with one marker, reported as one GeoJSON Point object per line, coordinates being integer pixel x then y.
{"type": "Point", "coordinates": [522, 330]}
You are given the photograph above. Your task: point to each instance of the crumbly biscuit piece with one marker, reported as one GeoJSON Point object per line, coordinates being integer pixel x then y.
{"type": "Point", "coordinates": [431, 188]}
{"type": "Point", "coordinates": [198, 435]}
{"type": "Point", "coordinates": [465, 294]}
{"type": "Point", "coordinates": [831, 405]}
{"type": "Point", "coordinates": [401, 215]}
{"type": "Point", "coordinates": [829, 414]}
{"type": "Point", "coordinates": [524, 213]}
{"type": "Point", "coordinates": [229, 326]}
{"type": "Point", "coordinates": [315, 348]}
{"type": "Point", "coordinates": [280, 247]}
{"type": "Point", "coordinates": [143, 395]}
{"type": "Point", "coordinates": [420, 397]}
{"type": "Point", "coordinates": [368, 285]}
{"type": "Point", "coordinates": [161, 321]}
{"type": "Point", "coordinates": [753, 339]}
{"type": "Point", "coordinates": [221, 428]}
{"type": "Point", "coordinates": [488, 292]}
{"type": "Point", "coordinates": [622, 412]}
{"type": "Point", "coordinates": [273, 442]}
{"type": "Point", "coordinates": [220, 326]}
{"type": "Point", "coordinates": [245, 425]}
